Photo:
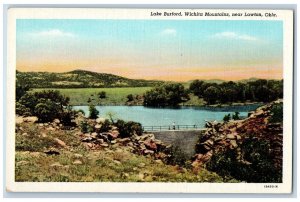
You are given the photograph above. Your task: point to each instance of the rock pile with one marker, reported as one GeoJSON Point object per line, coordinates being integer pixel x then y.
{"type": "Point", "coordinates": [221, 137]}
{"type": "Point", "coordinates": [145, 144]}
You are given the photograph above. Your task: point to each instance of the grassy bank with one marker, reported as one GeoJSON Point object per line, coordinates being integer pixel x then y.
{"type": "Point", "coordinates": [76, 163]}
{"type": "Point", "coordinates": [114, 96]}
{"type": "Point", "coordinates": [118, 96]}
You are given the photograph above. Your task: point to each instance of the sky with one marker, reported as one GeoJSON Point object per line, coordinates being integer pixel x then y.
{"type": "Point", "coordinates": [175, 50]}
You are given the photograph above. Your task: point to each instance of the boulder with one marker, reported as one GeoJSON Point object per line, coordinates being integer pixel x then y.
{"type": "Point", "coordinates": [233, 144]}
{"type": "Point", "coordinates": [104, 145]}
{"type": "Point", "coordinates": [56, 165]}
{"type": "Point", "coordinates": [124, 140]}
{"type": "Point", "coordinates": [146, 151]}
{"type": "Point", "coordinates": [77, 162]}
{"type": "Point", "coordinates": [117, 162]}
{"type": "Point", "coordinates": [98, 126]}
{"type": "Point", "coordinates": [52, 151]}
{"type": "Point", "coordinates": [22, 163]}
{"type": "Point", "coordinates": [57, 121]}
{"type": "Point", "coordinates": [231, 136]}
{"type": "Point", "coordinates": [78, 155]}
{"type": "Point", "coordinates": [30, 119]}
{"type": "Point", "coordinates": [100, 120]}
{"type": "Point", "coordinates": [87, 139]}
{"type": "Point", "coordinates": [60, 142]}
{"type": "Point", "coordinates": [94, 135]}
{"type": "Point", "coordinates": [150, 144]}
{"type": "Point", "coordinates": [115, 134]}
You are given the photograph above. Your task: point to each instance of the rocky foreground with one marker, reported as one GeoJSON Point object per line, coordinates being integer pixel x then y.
{"type": "Point", "coordinates": [52, 152]}
{"type": "Point", "coordinates": [247, 150]}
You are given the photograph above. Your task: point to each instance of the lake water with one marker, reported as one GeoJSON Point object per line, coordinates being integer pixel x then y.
{"type": "Point", "coordinates": [166, 116]}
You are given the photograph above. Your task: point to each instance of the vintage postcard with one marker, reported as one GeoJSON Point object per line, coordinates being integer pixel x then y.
{"type": "Point", "coordinates": [149, 100]}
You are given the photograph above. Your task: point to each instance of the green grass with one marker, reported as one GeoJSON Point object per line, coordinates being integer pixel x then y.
{"type": "Point", "coordinates": [114, 96]}
{"type": "Point", "coordinates": [116, 164]}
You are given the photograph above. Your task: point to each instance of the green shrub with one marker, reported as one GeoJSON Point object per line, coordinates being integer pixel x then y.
{"type": "Point", "coordinates": [84, 126]}
{"type": "Point", "coordinates": [105, 126]}
{"type": "Point", "coordinates": [81, 111]}
{"type": "Point", "coordinates": [236, 116]}
{"type": "Point", "coordinates": [257, 152]}
{"type": "Point", "coordinates": [177, 157]}
{"type": "Point", "coordinates": [46, 110]}
{"type": "Point", "coordinates": [102, 94]}
{"type": "Point", "coordinates": [130, 98]}
{"type": "Point", "coordinates": [277, 113]}
{"type": "Point", "coordinates": [93, 112]}
{"type": "Point", "coordinates": [170, 94]}
{"type": "Point", "coordinates": [227, 118]}
{"type": "Point", "coordinates": [22, 110]}
{"type": "Point", "coordinates": [127, 129]}
{"type": "Point", "coordinates": [46, 105]}
{"type": "Point", "coordinates": [67, 116]}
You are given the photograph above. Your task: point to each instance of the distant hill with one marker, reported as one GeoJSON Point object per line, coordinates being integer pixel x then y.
{"type": "Point", "coordinates": [79, 79]}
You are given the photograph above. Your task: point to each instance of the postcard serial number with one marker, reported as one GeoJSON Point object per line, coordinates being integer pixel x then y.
{"type": "Point", "coordinates": [270, 186]}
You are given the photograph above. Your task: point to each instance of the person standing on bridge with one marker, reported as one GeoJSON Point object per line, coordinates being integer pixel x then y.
{"type": "Point", "coordinates": [174, 125]}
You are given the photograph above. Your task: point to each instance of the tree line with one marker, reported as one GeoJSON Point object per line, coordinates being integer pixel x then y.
{"type": "Point", "coordinates": [172, 94]}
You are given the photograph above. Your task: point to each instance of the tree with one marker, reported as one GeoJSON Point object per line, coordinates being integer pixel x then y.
{"type": "Point", "coordinates": [46, 105]}
{"type": "Point", "coordinates": [197, 87]}
{"type": "Point", "coordinates": [211, 94]}
{"type": "Point", "coordinates": [236, 116]}
{"type": "Point", "coordinates": [170, 94]}
{"type": "Point", "coordinates": [21, 90]}
{"type": "Point", "coordinates": [130, 98]}
{"type": "Point", "coordinates": [102, 94]}
{"type": "Point", "coordinates": [93, 112]}
{"type": "Point", "coordinates": [226, 118]}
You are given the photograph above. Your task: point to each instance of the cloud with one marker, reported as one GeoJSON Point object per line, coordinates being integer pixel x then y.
{"type": "Point", "coordinates": [233, 35]}
{"type": "Point", "coordinates": [53, 33]}
{"type": "Point", "coordinates": [169, 32]}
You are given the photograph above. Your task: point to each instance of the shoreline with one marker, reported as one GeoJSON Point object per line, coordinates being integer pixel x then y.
{"type": "Point", "coordinates": [183, 105]}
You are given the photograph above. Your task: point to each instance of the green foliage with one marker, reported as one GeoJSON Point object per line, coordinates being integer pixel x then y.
{"type": "Point", "coordinates": [211, 94]}
{"type": "Point", "coordinates": [177, 157]}
{"type": "Point", "coordinates": [21, 89]}
{"type": "Point", "coordinates": [93, 112]}
{"type": "Point", "coordinates": [277, 113]}
{"type": "Point", "coordinates": [227, 118]}
{"type": "Point", "coordinates": [129, 98]}
{"type": "Point", "coordinates": [22, 110]}
{"type": "Point", "coordinates": [81, 111]}
{"type": "Point", "coordinates": [46, 105]}
{"type": "Point", "coordinates": [197, 87]}
{"type": "Point", "coordinates": [259, 90]}
{"type": "Point", "coordinates": [85, 127]}
{"type": "Point", "coordinates": [127, 129]}
{"type": "Point", "coordinates": [114, 96]}
{"type": "Point", "coordinates": [170, 94]}
{"type": "Point", "coordinates": [257, 152]}
{"type": "Point", "coordinates": [67, 117]}
{"type": "Point", "coordinates": [235, 116]}
{"type": "Point", "coordinates": [46, 110]}
{"type": "Point", "coordinates": [102, 94]}
{"type": "Point", "coordinates": [106, 126]}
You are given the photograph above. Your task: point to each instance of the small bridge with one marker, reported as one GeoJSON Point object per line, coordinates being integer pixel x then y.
{"type": "Point", "coordinates": [171, 127]}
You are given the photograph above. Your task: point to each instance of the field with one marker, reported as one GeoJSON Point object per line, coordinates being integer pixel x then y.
{"type": "Point", "coordinates": [114, 96]}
